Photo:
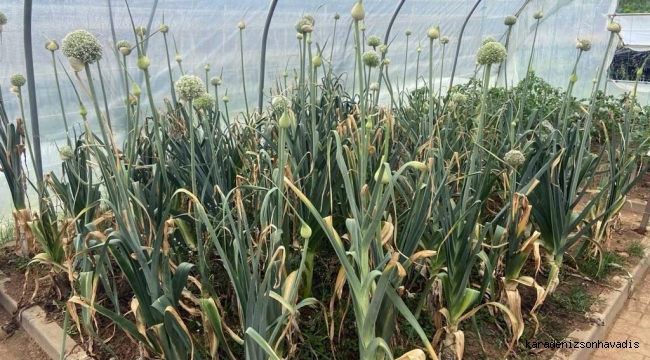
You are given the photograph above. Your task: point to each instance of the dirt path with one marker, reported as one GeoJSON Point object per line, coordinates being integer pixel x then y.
{"type": "Point", "coordinates": [632, 326]}
{"type": "Point", "coordinates": [18, 346]}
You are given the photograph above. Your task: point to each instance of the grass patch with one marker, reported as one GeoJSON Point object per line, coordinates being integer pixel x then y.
{"type": "Point", "coordinates": [6, 230]}
{"type": "Point", "coordinates": [594, 269]}
{"type": "Point", "coordinates": [577, 300]}
{"type": "Point", "coordinates": [636, 249]}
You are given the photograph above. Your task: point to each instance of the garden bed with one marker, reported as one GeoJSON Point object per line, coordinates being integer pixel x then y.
{"type": "Point", "coordinates": [13, 266]}
{"type": "Point", "coordinates": [569, 309]}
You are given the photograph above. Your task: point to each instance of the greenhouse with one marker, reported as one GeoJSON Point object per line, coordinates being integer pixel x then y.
{"type": "Point", "coordinates": [283, 179]}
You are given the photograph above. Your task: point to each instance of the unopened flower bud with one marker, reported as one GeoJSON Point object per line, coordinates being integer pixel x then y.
{"type": "Point", "coordinates": [305, 231]}
{"type": "Point", "coordinates": [52, 45]}
{"type": "Point", "coordinates": [76, 64]}
{"type": "Point", "coordinates": [135, 89]}
{"type": "Point", "coordinates": [614, 27]}
{"type": "Point", "coordinates": [207, 67]}
{"type": "Point", "coordinates": [143, 62]}
{"type": "Point", "coordinates": [433, 33]}
{"type": "Point", "coordinates": [538, 15]}
{"type": "Point", "coordinates": [124, 47]}
{"type": "Point", "coordinates": [385, 174]}
{"type": "Point", "coordinates": [241, 25]}
{"type": "Point", "coordinates": [383, 49]}
{"type": "Point", "coordinates": [82, 110]}
{"type": "Point", "coordinates": [141, 31]}
{"type": "Point", "coordinates": [285, 120]}
{"type": "Point", "coordinates": [510, 20]}
{"type": "Point", "coordinates": [583, 45]}
{"type": "Point", "coordinates": [317, 61]}
{"type": "Point", "coordinates": [164, 28]}
{"type": "Point", "coordinates": [215, 81]}
{"type": "Point", "coordinates": [573, 78]}
{"type": "Point", "coordinates": [358, 13]}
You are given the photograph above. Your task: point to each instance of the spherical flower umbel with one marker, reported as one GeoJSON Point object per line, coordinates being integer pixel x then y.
{"type": "Point", "coordinates": [124, 47]}
{"type": "Point", "coordinates": [583, 45]}
{"type": "Point", "coordinates": [52, 45]}
{"type": "Point", "coordinates": [17, 80]}
{"type": "Point", "coordinates": [302, 24]}
{"type": "Point", "coordinates": [383, 49]}
{"type": "Point", "coordinates": [164, 28]}
{"type": "Point", "coordinates": [66, 153]}
{"type": "Point", "coordinates": [458, 98]}
{"type": "Point", "coordinates": [408, 32]}
{"type": "Point", "coordinates": [82, 45]}
{"type": "Point", "coordinates": [204, 102]}
{"type": "Point", "coordinates": [488, 39]}
{"type": "Point", "coordinates": [510, 20]}
{"type": "Point", "coordinates": [311, 19]}
{"type": "Point", "coordinates": [373, 41]}
{"type": "Point", "coordinates": [371, 59]}
{"type": "Point", "coordinates": [491, 53]}
{"type": "Point", "coordinates": [514, 158]}
{"type": "Point", "coordinates": [280, 103]}
{"type": "Point", "coordinates": [189, 87]}
{"type": "Point", "coordinates": [215, 81]}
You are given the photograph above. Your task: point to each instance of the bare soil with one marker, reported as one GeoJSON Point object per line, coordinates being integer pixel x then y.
{"type": "Point", "coordinates": [15, 344]}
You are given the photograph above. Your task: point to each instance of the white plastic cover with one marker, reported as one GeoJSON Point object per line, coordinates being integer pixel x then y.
{"type": "Point", "coordinates": [206, 31]}
{"type": "Point", "coordinates": [635, 31]}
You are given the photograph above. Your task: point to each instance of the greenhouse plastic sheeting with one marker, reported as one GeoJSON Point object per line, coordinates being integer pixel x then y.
{"type": "Point", "coordinates": [206, 31]}
{"type": "Point", "coordinates": [635, 31]}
